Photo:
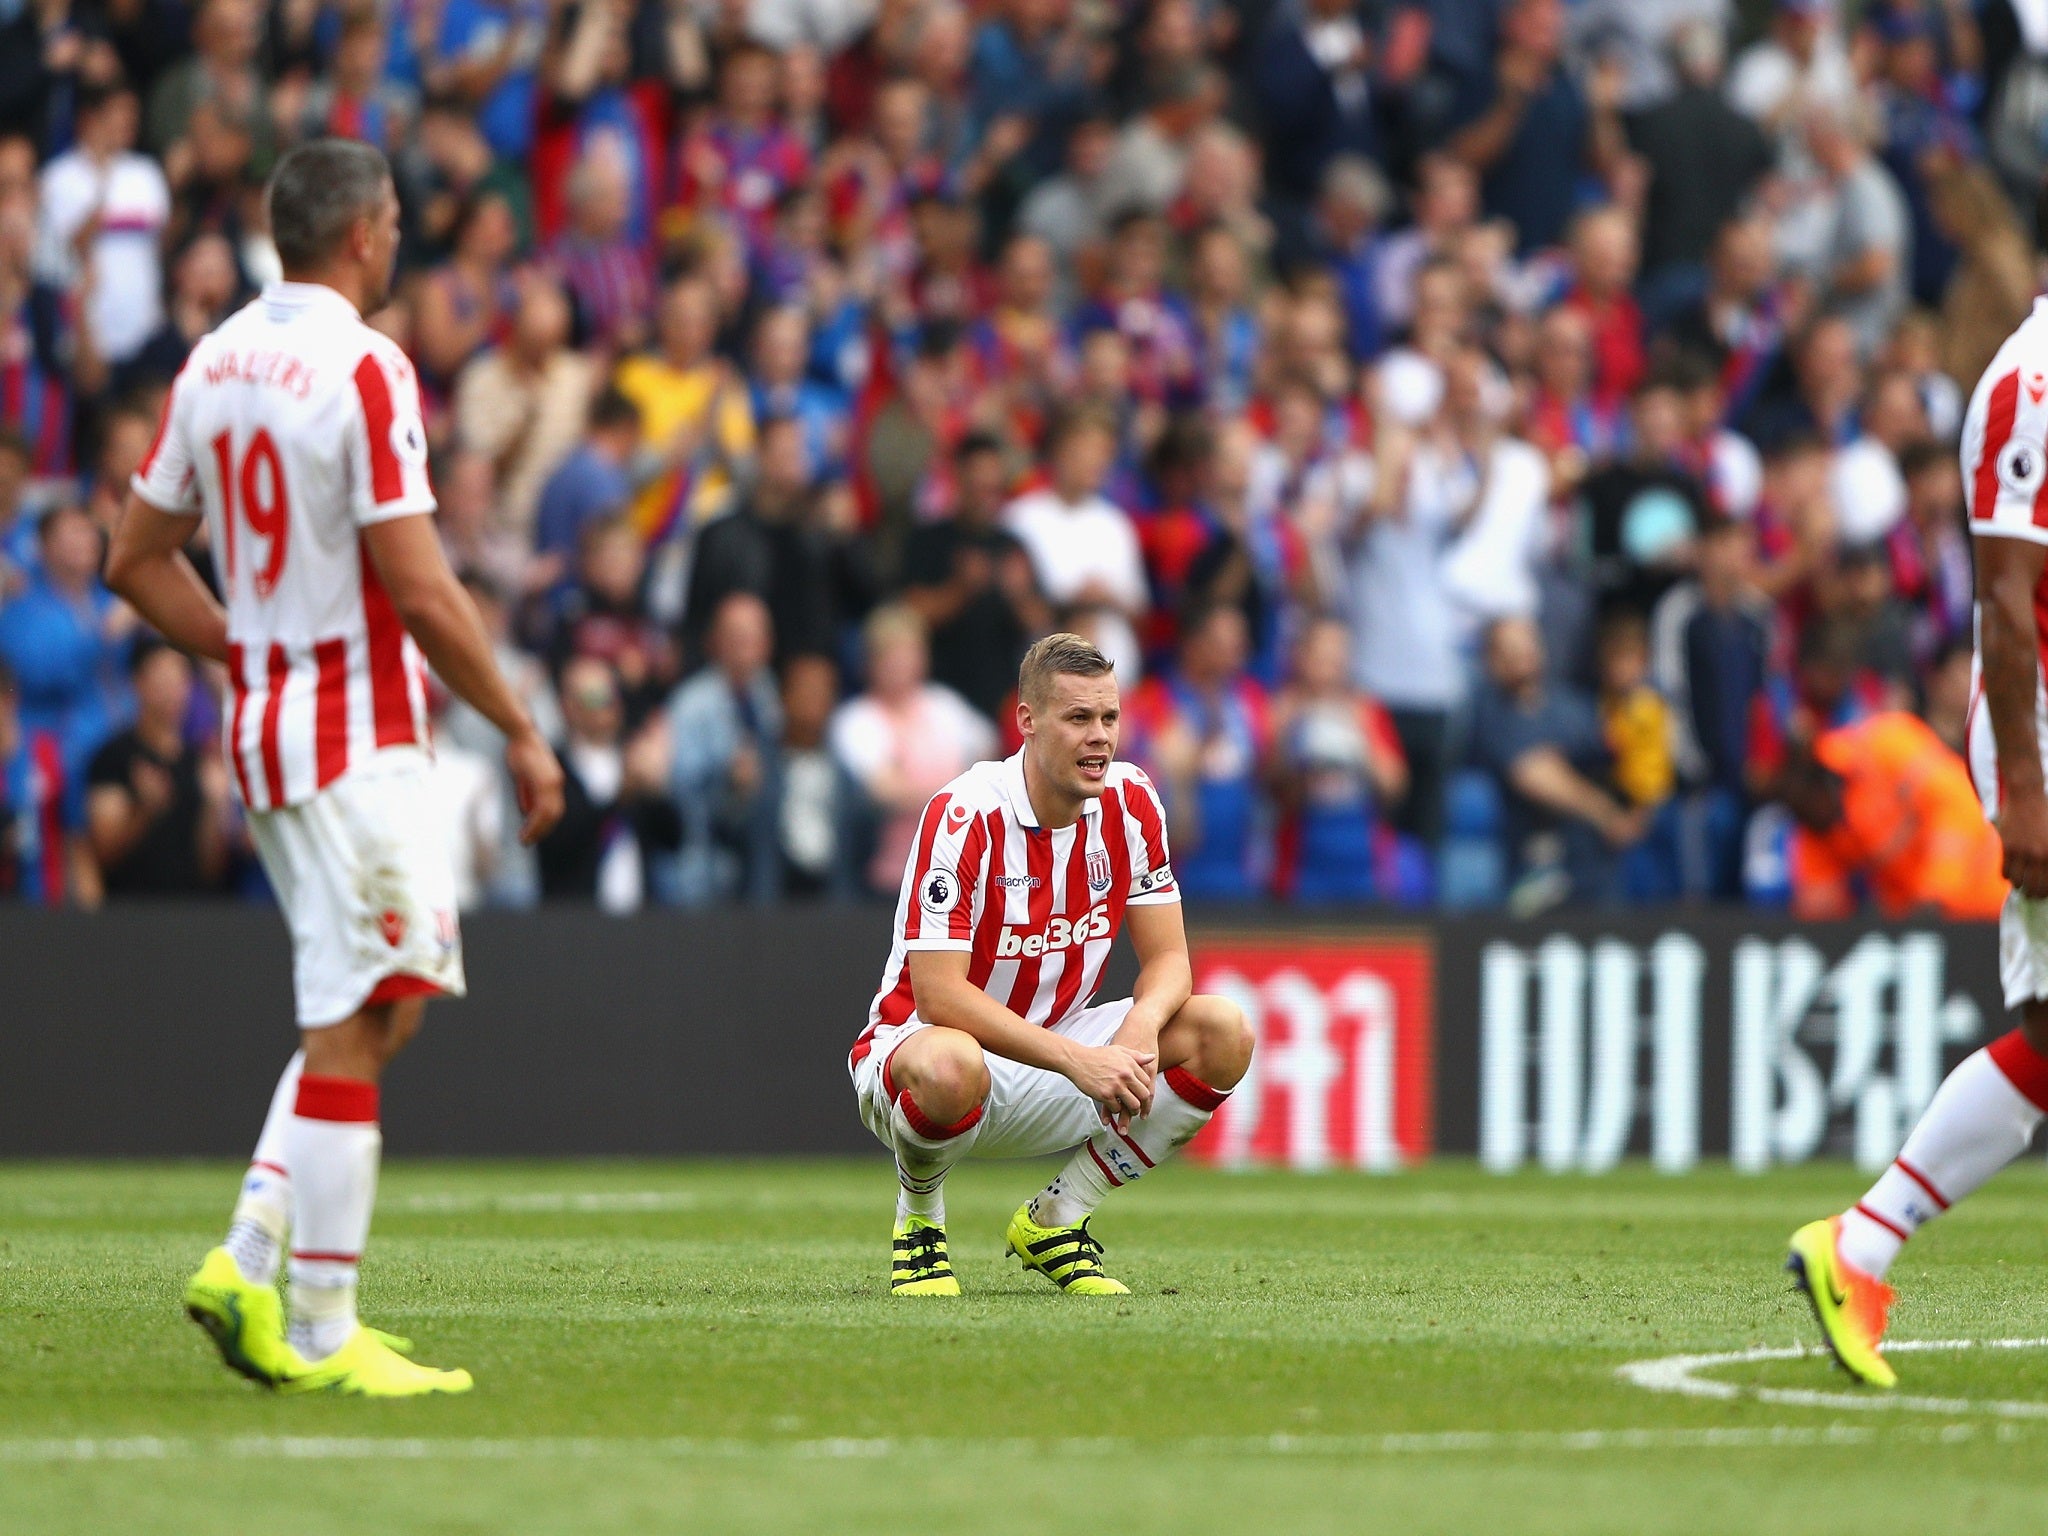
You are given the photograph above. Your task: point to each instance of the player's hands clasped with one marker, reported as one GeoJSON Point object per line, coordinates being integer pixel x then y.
{"type": "Point", "coordinates": [537, 776]}
{"type": "Point", "coordinates": [1117, 1078]}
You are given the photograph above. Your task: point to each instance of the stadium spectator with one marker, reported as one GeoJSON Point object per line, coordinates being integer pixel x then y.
{"type": "Point", "coordinates": [1530, 130]}
{"type": "Point", "coordinates": [522, 403]}
{"type": "Point", "coordinates": [1083, 548]}
{"type": "Point", "coordinates": [465, 303]}
{"type": "Point", "coordinates": [903, 738]}
{"type": "Point", "coordinates": [1541, 741]}
{"type": "Point", "coordinates": [595, 481]}
{"type": "Point", "coordinates": [1205, 729]}
{"type": "Point", "coordinates": [157, 803]}
{"type": "Point", "coordinates": [65, 639]}
{"type": "Point", "coordinates": [817, 820]}
{"type": "Point", "coordinates": [1638, 726]}
{"type": "Point", "coordinates": [607, 616]}
{"type": "Point", "coordinates": [694, 413]}
{"type": "Point", "coordinates": [605, 270]}
{"type": "Point", "coordinates": [1864, 257]}
{"type": "Point", "coordinates": [1886, 806]}
{"type": "Point", "coordinates": [44, 855]}
{"type": "Point", "coordinates": [617, 815]}
{"type": "Point", "coordinates": [102, 209]}
{"type": "Point", "coordinates": [774, 543]}
{"type": "Point", "coordinates": [472, 531]}
{"type": "Point", "coordinates": [1317, 92]}
{"type": "Point", "coordinates": [970, 580]}
{"type": "Point", "coordinates": [206, 283]}
{"type": "Point", "coordinates": [1710, 647]}
{"type": "Point", "coordinates": [1337, 767]}
{"type": "Point", "coordinates": [725, 727]}
{"type": "Point", "coordinates": [1703, 159]}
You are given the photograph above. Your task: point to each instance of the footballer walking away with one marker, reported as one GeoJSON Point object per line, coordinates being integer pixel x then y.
{"type": "Point", "coordinates": [982, 1039]}
{"type": "Point", "coordinates": [294, 431]}
{"type": "Point", "coordinates": [1985, 1112]}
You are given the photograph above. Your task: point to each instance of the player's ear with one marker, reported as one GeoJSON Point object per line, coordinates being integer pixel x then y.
{"type": "Point", "coordinates": [1023, 717]}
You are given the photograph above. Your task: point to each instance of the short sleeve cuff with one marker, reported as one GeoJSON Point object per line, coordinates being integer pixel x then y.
{"type": "Point", "coordinates": [185, 503]}
{"type": "Point", "coordinates": [945, 943]}
{"type": "Point", "coordinates": [1991, 528]}
{"type": "Point", "coordinates": [391, 511]}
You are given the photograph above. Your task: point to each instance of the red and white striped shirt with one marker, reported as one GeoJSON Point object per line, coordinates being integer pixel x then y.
{"type": "Point", "coordinates": [293, 427]}
{"type": "Point", "coordinates": [1037, 907]}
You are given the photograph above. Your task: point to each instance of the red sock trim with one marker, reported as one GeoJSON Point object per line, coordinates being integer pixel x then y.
{"type": "Point", "coordinates": [281, 1171]}
{"type": "Point", "coordinates": [929, 1128]}
{"type": "Point", "coordinates": [1108, 1172]}
{"type": "Point", "coordinates": [888, 1082]}
{"type": "Point", "coordinates": [1923, 1181]}
{"type": "Point", "coordinates": [2025, 1067]}
{"type": "Point", "coordinates": [1889, 1225]}
{"type": "Point", "coordinates": [1191, 1088]}
{"type": "Point", "coordinates": [398, 986]}
{"type": "Point", "coordinates": [336, 1098]}
{"type": "Point", "coordinates": [328, 1258]}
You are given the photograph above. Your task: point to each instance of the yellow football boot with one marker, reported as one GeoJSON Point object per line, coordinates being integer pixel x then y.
{"type": "Point", "coordinates": [920, 1266]}
{"type": "Point", "coordinates": [1849, 1305]}
{"type": "Point", "coordinates": [245, 1320]}
{"type": "Point", "coordinates": [1067, 1256]}
{"type": "Point", "coordinates": [368, 1366]}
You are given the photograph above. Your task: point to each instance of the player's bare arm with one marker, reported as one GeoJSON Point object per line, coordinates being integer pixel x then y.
{"type": "Point", "coordinates": [1166, 977]}
{"type": "Point", "coordinates": [1116, 1076]}
{"type": "Point", "coordinates": [146, 565]}
{"type": "Point", "coordinates": [2009, 573]}
{"type": "Point", "coordinates": [440, 616]}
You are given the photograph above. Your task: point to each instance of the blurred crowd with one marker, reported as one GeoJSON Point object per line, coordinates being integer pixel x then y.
{"type": "Point", "coordinates": [1503, 444]}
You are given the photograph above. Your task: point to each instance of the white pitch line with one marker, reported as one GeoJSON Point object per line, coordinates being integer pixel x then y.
{"type": "Point", "coordinates": [551, 1202]}
{"type": "Point", "coordinates": [1678, 1374]}
{"type": "Point", "coordinates": [150, 1448]}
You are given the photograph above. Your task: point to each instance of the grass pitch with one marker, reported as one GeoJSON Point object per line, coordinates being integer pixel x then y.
{"type": "Point", "coordinates": [709, 1347]}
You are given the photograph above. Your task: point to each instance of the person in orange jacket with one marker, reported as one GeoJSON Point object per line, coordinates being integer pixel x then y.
{"type": "Point", "coordinates": [1887, 802]}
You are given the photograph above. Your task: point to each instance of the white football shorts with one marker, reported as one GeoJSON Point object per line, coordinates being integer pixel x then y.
{"type": "Point", "coordinates": [2023, 921]}
{"type": "Point", "coordinates": [362, 874]}
{"type": "Point", "coordinates": [1030, 1112]}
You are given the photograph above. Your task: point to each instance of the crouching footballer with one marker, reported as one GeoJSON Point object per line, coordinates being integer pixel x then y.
{"type": "Point", "coordinates": [983, 1041]}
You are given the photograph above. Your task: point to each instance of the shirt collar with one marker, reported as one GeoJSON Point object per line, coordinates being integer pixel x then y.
{"type": "Point", "coordinates": [1019, 796]}
{"type": "Point", "coordinates": [306, 296]}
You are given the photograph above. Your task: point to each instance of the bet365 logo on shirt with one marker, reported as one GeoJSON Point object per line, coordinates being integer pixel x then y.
{"type": "Point", "coordinates": [1059, 934]}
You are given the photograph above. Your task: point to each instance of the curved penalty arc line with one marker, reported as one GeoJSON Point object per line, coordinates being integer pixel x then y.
{"type": "Point", "coordinates": [1679, 1374]}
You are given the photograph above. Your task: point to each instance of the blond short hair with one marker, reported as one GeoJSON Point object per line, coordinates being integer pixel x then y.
{"type": "Point", "coordinates": [1055, 656]}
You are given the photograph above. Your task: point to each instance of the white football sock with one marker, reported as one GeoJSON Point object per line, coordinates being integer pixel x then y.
{"type": "Point", "coordinates": [924, 1151]}
{"type": "Point", "coordinates": [1181, 1105]}
{"type": "Point", "coordinates": [263, 1212]}
{"type": "Point", "coordinates": [332, 1143]}
{"type": "Point", "coordinates": [1980, 1119]}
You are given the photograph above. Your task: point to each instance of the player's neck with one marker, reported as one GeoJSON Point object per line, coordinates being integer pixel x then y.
{"type": "Point", "coordinates": [1053, 809]}
{"type": "Point", "coordinates": [340, 282]}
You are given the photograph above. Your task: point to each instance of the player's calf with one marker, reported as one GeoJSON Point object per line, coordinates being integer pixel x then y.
{"type": "Point", "coordinates": [937, 1082]}
{"type": "Point", "coordinates": [1207, 1049]}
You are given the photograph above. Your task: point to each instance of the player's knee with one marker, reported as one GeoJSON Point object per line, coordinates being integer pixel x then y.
{"type": "Point", "coordinates": [947, 1078]}
{"type": "Point", "coordinates": [1224, 1041]}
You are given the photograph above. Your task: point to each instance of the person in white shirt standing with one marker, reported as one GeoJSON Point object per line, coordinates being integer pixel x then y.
{"type": "Point", "coordinates": [101, 215]}
{"type": "Point", "coordinates": [294, 429]}
{"type": "Point", "coordinates": [1083, 546]}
